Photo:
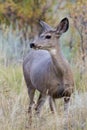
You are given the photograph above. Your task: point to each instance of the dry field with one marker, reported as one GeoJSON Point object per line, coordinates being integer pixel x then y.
{"type": "Point", "coordinates": [14, 104]}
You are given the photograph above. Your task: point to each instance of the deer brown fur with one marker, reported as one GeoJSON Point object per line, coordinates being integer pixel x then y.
{"type": "Point", "coordinates": [46, 69]}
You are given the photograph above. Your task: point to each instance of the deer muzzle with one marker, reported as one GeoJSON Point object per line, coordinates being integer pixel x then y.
{"type": "Point", "coordinates": [35, 46]}
{"type": "Point", "coordinates": [32, 45]}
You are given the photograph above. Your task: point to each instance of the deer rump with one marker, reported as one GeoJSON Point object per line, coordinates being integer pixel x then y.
{"type": "Point", "coordinates": [40, 72]}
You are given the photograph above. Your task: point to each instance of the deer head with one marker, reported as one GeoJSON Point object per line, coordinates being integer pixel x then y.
{"type": "Point", "coordinates": [48, 39]}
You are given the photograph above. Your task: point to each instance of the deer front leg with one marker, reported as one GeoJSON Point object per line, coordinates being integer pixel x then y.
{"type": "Point", "coordinates": [52, 104]}
{"type": "Point", "coordinates": [40, 102]}
{"type": "Point", "coordinates": [31, 93]}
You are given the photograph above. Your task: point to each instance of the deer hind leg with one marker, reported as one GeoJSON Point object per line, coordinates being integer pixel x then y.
{"type": "Point", "coordinates": [40, 103]}
{"type": "Point", "coordinates": [66, 103]}
{"type": "Point", "coordinates": [67, 94]}
{"type": "Point", "coordinates": [66, 112]}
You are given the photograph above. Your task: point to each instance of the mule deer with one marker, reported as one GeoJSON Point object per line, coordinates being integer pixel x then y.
{"type": "Point", "coordinates": [45, 68]}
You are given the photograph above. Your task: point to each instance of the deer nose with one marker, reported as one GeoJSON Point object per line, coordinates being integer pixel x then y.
{"type": "Point", "coordinates": [32, 45]}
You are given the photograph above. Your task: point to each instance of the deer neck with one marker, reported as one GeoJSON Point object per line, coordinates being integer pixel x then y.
{"type": "Point", "coordinates": [59, 62]}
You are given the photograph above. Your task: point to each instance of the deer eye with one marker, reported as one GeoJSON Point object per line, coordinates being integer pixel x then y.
{"type": "Point", "coordinates": [48, 36]}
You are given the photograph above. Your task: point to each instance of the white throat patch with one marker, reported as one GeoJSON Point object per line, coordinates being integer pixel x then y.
{"type": "Point", "coordinates": [53, 51]}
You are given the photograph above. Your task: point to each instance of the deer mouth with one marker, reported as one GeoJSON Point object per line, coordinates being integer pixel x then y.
{"type": "Point", "coordinates": [38, 47]}
{"type": "Point", "coordinates": [42, 47]}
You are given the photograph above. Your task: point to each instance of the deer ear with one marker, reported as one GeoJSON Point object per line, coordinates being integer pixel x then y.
{"type": "Point", "coordinates": [63, 26]}
{"type": "Point", "coordinates": [45, 26]}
